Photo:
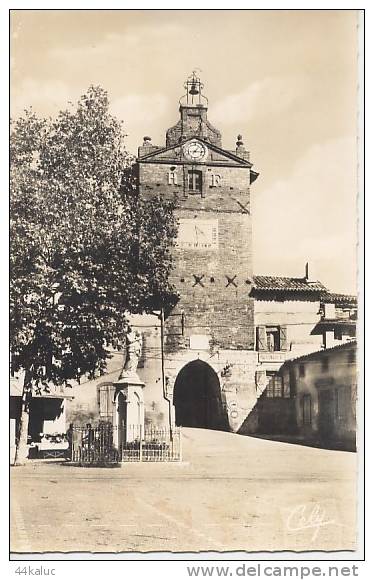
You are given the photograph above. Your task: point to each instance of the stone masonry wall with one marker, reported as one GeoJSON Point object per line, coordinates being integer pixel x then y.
{"type": "Point", "coordinates": [213, 321]}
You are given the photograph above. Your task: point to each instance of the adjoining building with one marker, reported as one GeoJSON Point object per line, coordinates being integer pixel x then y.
{"type": "Point", "coordinates": [290, 321]}
{"type": "Point", "coordinates": [338, 319]}
{"type": "Point", "coordinates": [47, 419]}
{"type": "Point", "coordinates": [322, 388]}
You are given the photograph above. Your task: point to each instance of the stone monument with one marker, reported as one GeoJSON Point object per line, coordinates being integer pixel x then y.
{"type": "Point", "coordinates": [129, 398]}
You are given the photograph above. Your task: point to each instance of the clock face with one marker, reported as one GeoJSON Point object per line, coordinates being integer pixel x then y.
{"type": "Point", "coordinates": [195, 151]}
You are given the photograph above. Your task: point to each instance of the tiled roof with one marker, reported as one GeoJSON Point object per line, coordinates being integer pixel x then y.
{"type": "Point", "coordinates": [285, 284]}
{"type": "Point", "coordinates": [339, 298]}
{"type": "Point", "coordinates": [337, 321]}
{"type": "Point", "coordinates": [343, 346]}
{"type": "Point", "coordinates": [334, 323]}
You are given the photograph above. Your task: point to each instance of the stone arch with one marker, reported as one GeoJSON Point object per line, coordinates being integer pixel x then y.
{"type": "Point", "coordinates": [120, 419]}
{"type": "Point", "coordinates": [197, 397]}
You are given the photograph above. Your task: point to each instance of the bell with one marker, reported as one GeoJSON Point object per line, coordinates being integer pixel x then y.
{"type": "Point", "coordinates": [193, 90]}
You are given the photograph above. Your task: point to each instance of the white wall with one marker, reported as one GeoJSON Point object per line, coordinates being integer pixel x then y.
{"type": "Point", "coordinates": [299, 316]}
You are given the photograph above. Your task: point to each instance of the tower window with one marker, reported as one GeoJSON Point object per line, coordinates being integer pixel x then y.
{"type": "Point", "coordinates": [195, 181]}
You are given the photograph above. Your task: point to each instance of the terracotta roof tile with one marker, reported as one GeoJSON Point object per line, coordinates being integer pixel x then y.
{"type": "Point", "coordinates": [335, 298]}
{"type": "Point", "coordinates": [285, 284]}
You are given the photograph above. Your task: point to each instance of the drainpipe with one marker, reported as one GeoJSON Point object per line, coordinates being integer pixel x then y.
{"type": "Point", "coordinates": [164, 394]}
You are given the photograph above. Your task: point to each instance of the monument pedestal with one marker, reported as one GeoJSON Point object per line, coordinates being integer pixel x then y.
{"type": "Point", "coordinates": [128, 418]}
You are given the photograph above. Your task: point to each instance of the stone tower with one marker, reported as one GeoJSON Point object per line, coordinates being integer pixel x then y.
{"type": "Point", "coordinates": [209, 343]}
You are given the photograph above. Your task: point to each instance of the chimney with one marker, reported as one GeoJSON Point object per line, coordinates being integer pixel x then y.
{"type": "Point", "coordinates": [240, 149]}
{"type": "Point", "coordinates": [146, 147]}
{"type": "Point", "coordinates": [309, 272]}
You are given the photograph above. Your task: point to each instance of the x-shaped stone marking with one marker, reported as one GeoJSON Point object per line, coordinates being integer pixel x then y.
{"type": "Point", "coordinates": [231, 281]}
{"type": "Point", "coordinates": [198, 280]}
{"type": "Point", "coordinates": [244, 207]}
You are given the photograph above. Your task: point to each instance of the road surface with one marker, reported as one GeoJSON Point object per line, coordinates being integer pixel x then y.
{"type": "Point", "coordinates": [231, 493]}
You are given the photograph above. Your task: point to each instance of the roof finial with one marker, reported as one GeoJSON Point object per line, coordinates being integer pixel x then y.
{"type": "Point", "coordinates": [239, 142]}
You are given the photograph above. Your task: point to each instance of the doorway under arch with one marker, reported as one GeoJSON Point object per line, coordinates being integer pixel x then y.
{"type": "Point", "coordinates": [197, 397]}
{"type": "Point", "coordinates": [120, 420]}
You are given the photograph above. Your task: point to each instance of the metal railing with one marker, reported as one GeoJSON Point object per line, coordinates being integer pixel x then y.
{"type": "Point", "coordinates": [152, 444]}
{"type": "Point", "coordinates": [105, 444]}
{"type": "Point", "coordinates": [92, 444]}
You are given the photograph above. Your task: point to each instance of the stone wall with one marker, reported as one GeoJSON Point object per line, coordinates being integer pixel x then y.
{"type": "Point", "coordinates": [213, 320]}
{"type": "Point", "coordinates": [235, 370]}
{"type": "Point", "coordinates": [193, 121]}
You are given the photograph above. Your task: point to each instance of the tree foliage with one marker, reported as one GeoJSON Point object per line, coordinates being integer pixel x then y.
{"type": "Point", "coordinates": [85, 248]}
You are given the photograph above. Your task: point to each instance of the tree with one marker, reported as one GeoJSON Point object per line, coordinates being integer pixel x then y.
{"type": "Point", "coordinates": [85, 249]}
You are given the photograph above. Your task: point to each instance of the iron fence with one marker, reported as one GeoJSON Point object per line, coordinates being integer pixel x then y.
{"type": "Point", "coordinates": [105, 444]}
{"type": "Point", "coordinates": [92, 444]}
{"type": "Point", "coordinates": [152, 444]}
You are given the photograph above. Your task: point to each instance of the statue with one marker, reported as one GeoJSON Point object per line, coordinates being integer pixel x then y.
{"type": "Point", "coordinates": [134, 343]}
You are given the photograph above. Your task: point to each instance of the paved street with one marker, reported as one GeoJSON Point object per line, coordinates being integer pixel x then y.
{"type": "Point", "coordinates": [231, 493]}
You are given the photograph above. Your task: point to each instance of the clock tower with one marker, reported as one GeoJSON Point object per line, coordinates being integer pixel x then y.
{"type": "Point", "coordinates": [208, 342]}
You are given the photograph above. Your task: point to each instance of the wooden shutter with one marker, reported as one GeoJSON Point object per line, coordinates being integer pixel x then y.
{"type": "Point", "coordinates": [185, 181]}
{"type": "Point", "coordinates": [198, 181]}
{"type": "Point", "coordinates": [261, 338]}
{"type": "Point", "coordinates": [105, 401]}
{"type": "Point", "coordinates": [202, 184]}
{"type": "Point", "coordinates": [283, 338]}
{"type": "Point", "coordinates": [260, 379]}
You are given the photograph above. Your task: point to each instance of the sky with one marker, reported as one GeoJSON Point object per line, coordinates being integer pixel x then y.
{"type": "Point", "coordinates": [285, 80]}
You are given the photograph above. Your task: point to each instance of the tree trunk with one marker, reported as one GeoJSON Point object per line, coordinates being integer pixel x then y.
{"type": "Point", "coordinates": [22, 449]}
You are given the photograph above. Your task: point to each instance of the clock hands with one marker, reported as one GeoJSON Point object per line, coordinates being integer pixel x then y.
{"type": "Point", "coordinates": [195, 150]}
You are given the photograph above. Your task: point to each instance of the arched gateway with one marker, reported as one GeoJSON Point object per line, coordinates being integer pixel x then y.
{"type": "Point", "coordinates": [197, 397]}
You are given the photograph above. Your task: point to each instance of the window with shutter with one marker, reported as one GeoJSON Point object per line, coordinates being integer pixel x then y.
{"type": "Point", "coordinates": [283, 337]}
{"type": "Point", "coordinates": [261, 338]}
{"type": "Point", "coordinates": [271, 338]}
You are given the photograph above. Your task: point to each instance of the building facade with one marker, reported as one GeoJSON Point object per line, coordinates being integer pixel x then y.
{"type": "Point", "coordinates": [47, 419]}
{"type": "Point", "coordinates": [208, 352]}
{"type": "Point", "coordinates": [216, 356]}
{"type": "Point", "coordinates": [323, 387]}
{"type": "Point", "coordinates": [293, 317]}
